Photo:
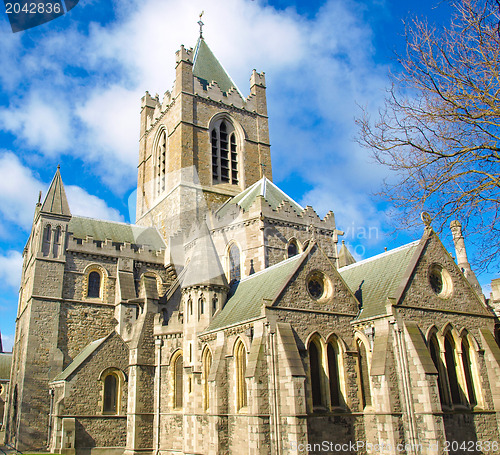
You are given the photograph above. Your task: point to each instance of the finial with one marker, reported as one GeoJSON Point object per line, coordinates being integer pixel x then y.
{"type": "Point", "coordinates": [263, 167]}
{"type": "Point", "coordinates": [201, 24]}
{"type": "Point", "coordinates": [40, 197]}
{"type": "Point", "coordinates": [426, 218]}
{"type": "Point", "coordinates": [58, 166]}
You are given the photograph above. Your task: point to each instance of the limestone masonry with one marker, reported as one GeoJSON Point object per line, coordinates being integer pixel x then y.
{"type": "Point", "coordinates": [229, 319]}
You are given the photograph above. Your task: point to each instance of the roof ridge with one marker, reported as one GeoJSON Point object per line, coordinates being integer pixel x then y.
{"type": "Point", "coordinates": [380, 256]}
{"type": "Point", "coordinates": [114, 222]}
{"type": "Point", "coordinates": [281, 191]}
{"type": "Point", "coordinates": [272, 267]}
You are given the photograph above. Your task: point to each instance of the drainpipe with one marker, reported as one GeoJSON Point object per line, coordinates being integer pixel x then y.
{"type": "Point", "coordinates": [275, 400]}
{"type": "Point", "coordinates": [159, 344]}
{"type": "Point", "coordinates": [51, 410]}
{"type": "Point", "coordinates": [408, 398]}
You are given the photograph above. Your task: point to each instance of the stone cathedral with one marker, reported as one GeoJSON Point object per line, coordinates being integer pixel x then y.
{"type": "Point", "coordinates": [230, 320]}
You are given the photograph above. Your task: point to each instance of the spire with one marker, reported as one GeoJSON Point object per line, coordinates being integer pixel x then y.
{"type": "Point", "coordinates": [204, 268]}
{"type": "Point", "coordinates": [207, 68]}
{"type": "Point", "coordinates": [55, 202]}
{"type": "Point", "coordinates": [345, 256]}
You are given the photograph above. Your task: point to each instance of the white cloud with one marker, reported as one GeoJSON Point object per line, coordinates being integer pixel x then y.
{"type": "Point", "coordinates": [112, 122]}
{"type": "Point", "coordinates": [85, 204]}
{"type": "Point", "coordinates": [42, 124]}
{"type": "Point", "coordinates": [317, 70]}
{"type": "Point", "coordinates": [10, 268]}
{"type": "Point", "coordinates": [19, 189]}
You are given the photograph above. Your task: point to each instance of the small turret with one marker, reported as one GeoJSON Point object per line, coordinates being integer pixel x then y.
{"type": "Point", "coordinates": [462, 260]}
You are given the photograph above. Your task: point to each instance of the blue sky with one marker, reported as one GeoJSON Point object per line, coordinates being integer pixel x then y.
{"type": "Point", "coordinates": [70, 92]}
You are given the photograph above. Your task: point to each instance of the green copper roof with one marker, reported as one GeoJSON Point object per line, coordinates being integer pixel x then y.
{"type": "Point", "coordinates": [79, 359]}
{"type": "Point", "coordinates": [5, 363]}
{"type": "Point", "coordinates": [81, 227]}
{"type": "Point", "coordinates": [56, 202]}
{"type": "Point", "coordinates": [249, 293]}
{"type": "Point", "coordinates": [375, 279]}
{"type": "Point", "coordinates": [207, 68]}
{"type": "Point", "coordinates": [265, 188]}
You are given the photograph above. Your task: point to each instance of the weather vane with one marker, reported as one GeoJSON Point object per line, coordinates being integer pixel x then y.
{"type": "Point", "coordinates": [201, 24]}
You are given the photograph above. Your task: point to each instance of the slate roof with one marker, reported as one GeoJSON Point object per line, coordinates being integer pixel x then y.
{"type": "Point", "coordinates": [5, 364]}
{"type": "Point", "coordinates": [79, 359]}
{"type": "Point", "coordinates": [56, 202]}
{"type": "Point", "coordinates": [265, 188]}
{"type": "Point", "coordinates": [81, 227]}
{"type": "Point", "coordinates": [207, 68]}
{"type": "Point", "coordinates": [247, 296]}
{"type": "Point", "coordinates": [375, 279]}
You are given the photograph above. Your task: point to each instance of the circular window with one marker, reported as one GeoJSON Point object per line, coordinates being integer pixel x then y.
{"type": "Point", "coordinates": [316, 287]}
{"type": "Point", "coordinates": [440, 280]}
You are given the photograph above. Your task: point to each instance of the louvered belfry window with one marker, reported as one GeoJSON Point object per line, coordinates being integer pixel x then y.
{"type": "Point", "coordinates": [224, 154]}
{"type": "Point", "coordinates": [161, 163]}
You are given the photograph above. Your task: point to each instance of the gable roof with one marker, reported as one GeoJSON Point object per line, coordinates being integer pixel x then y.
{"type": "Point", "coordinates": [265, 188]}
{"type": "Point", "coordinates": [375, 279]}
{"type": "Point", "coordinates": [207, 68]}
{"type": "Point", "coordinates": [79, 359]}
{"type": "Point", "coordinates": [55, 201]}
{"type": "Point", "coordinates": [247, 296]}
{"type": "Point", "coordinates": [81, 227]}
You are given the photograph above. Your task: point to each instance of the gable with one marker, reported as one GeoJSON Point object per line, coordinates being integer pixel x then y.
{"type": "Point", "coordinates": [336, 298]}
{"type": "Point", "coordinates": [457, 295]}
{"type": "Point", "coordinates": [110, 351]}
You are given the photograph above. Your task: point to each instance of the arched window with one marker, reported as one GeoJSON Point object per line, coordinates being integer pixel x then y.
{"type": "Point", "coordinates": [293, 248]}
{"type": "Point", "coordinates": [234, 263]}
{"type": "Point", "coordinates": [451, 368]}
{"type": "Point", "coordinates": [333, 355]}
{"type": "Point", "coordinates": [215, 301]}
{"type": "Point", "coordinates": [47, 235]}
{"type": "Point", "coordinates": [315, 366]}
{"type": "Point", "coordinates": [436, 358]}
{"type": "Point", "coordinates": [178, 371]}
{"type": "Point", "coordinates": [207, 364]}
{"type": "Point", "coordinates": [94, 285]}
{"type": "Point", "coordinates": [363, 375]}
{"type": "Point", "coordinates": [57, 242]}
{"type": "Point", "coordinates": [240, 355]}
{"type": "Point", "coordinates": [201, 304]}
{"type": "Point", "coordinates": [497, 335]}
{"type": "Point", "coordinates": [110, 402]}
{"type": "Point", "coordinates": [224, 153]}
{"type": "Point", "coordinates": [468, 368]}
{"type": "Point", "coordinates": [189, 309]}
{"type": "Point", "coordinates": [161, 162]}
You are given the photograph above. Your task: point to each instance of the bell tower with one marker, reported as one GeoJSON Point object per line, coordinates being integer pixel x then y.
{"type": "Point", "coordinates": [202, 144]}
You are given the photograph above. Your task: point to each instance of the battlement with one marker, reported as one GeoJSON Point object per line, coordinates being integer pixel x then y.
{"type": "Point", "coordinates": [110, 248]}
{"type": "Point", "coordinates": [285, 213]}
{"type": "Point", "coordinates": [184, 55]}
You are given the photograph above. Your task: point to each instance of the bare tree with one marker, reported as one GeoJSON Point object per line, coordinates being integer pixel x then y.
{"type": "Point", "coordinates": [440, 127]}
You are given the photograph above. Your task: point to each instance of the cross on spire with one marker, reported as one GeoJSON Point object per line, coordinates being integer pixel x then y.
{"type": "Point", "coordinates": [201, 24]}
